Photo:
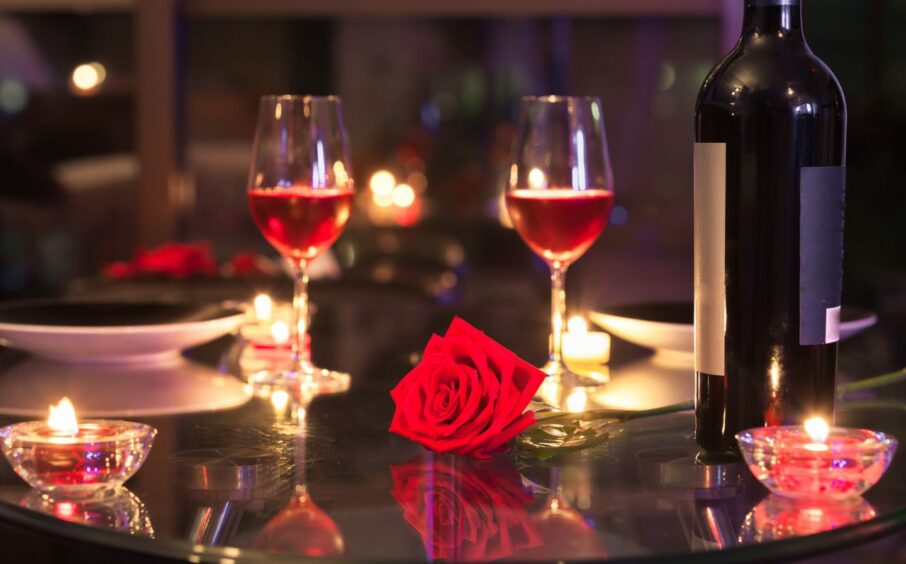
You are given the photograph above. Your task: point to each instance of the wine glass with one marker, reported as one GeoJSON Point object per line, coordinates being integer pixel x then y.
{"type": "Point", "coordinates": [300, 192]}
{"type": "Point", "coordinates": [560, 193]}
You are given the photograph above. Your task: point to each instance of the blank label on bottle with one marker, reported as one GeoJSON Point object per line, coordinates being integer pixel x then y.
{"type": "Point", "coordinates": [821, 196]}
{"type": "Point", "coordinates": [710, 200]}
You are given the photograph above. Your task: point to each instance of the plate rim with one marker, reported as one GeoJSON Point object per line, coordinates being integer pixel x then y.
{"type": "Point", "coordinates": [868, 319]}
{"type": "Point", "coordinates": [32, 328]}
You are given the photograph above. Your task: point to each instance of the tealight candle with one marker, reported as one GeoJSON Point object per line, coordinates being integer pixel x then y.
{"type": "Point", "coordinates": [815, 460]}
{"type": "Point", "coordinates": [582, 347]}
{"type": "Point", "coordinates": [64, 455]}
{"type": "Point", "coordinates": [268, 327]}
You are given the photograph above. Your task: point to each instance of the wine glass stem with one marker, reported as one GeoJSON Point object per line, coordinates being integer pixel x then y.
{"type": "Point", "coordinates": [300, 314]}
{"type": "Point", "coordinates": [558, 311]}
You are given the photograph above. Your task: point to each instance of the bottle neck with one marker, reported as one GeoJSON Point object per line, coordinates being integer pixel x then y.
{"type": "Point", "coordinates": [773, 18]}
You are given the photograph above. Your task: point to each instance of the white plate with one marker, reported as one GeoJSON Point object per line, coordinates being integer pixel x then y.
{"type": "Point", "coordinates": [667, 327]}
{"type": "Point", "coordinates": [111, 332]}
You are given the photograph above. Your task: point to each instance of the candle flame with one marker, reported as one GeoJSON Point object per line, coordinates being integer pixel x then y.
{"type": "Point", "coordinates": [62, 418]}
{"type": "Point", "coordinates": [577, 400]}
{"type": "Point", "coordinates": [263, 306]}
{"type": "Point", "coordinates": [577, 325]}
{"type": "Point", "coordinates": [536, 178]}
{"type": "Point", "coordinates": [280, 332]}
{"type": "Point", "coordinates": [279, 399]}
{"type": "Point", "coordinates": [817, 429]}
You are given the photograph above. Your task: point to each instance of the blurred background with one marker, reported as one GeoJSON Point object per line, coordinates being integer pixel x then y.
{"type": "Point", "coordinates": [125, 124]}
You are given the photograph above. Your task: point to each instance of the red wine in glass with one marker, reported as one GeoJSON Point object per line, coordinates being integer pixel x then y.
{"type": "Point", "coordinates": [559, 224]}
{"type": "Point", "coordinates": [300, 222]}
{"type": "Point", "coordinates": [559, 195]}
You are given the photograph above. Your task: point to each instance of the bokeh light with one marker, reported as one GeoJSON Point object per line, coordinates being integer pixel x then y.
{"type": "Point", "coordinates": [536, 178]}
{"type": "Point", "coordinates": [382, 182]}
{"type": "Point", "coordinates": [13, 96]}
{"type": "Point", "coordinates": [403, 196]}
{"type": "Point", "coordinates": [88, 77]}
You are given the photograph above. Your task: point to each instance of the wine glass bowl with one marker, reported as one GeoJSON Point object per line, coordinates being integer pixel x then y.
{"type": "Point", "coordinates": [559, 192]}
{"type": "Point", "coordinates": [300, 193]}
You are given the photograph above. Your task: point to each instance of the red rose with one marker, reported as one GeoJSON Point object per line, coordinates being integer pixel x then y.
{"type": "Point", "coordinates": [467, 395]}
{"type": "Point", "coordinates": [179, 260]}
{"type": "Point", "coordinates": [118, 270]}
{"type": "Point", "coordinates": [248, 263]}
{"type": "Point", "coordinates": [465, 510]}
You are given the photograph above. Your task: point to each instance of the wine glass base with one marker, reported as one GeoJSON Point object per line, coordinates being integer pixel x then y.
{"type": "Point", "coordinates": [560, 373]}
{"type": "Point", "coordinates": [561, 381]}
{"type": "Point", "coordinates": [310, 379]}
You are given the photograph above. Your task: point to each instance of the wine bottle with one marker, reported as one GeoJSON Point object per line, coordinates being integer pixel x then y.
{"type": "Point", "coordinates": [770, 149]}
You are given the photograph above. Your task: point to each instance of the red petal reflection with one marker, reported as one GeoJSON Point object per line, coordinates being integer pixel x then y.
{"type": "Point", "coordinates": [465, 510]}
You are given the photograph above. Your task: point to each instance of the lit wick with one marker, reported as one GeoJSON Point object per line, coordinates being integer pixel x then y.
{"type": "Point", "coordinates": [817, 430]}
{"type": "Point", "coordinates": [62, 419]}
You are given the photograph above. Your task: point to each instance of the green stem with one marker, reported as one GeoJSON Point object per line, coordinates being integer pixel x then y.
{"type": "Point", "coordinates": [873, 382]}
{"type": "Point", "coordinates": [555, 417]}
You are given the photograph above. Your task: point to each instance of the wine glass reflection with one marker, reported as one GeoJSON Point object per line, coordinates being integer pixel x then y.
{"type": "Point", "coordinates": [300, 527]}
{"type": "Point", "coordinates": [565, 531]}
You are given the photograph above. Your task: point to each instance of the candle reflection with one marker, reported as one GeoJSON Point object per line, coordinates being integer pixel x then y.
{"type": "Point", "coordinates": [778, 518]}
{"type": "Point", "coordinates": [123, 511]}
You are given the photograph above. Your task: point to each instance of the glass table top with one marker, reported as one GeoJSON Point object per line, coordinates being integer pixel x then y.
{"type": "Point", "coordinates": [325, 479]}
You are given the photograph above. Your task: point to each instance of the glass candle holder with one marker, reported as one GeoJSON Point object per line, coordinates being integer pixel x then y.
{"type": "Point", "coordinates": [102, 455]}
{"type": "Point", "coordinates": [791, 463]}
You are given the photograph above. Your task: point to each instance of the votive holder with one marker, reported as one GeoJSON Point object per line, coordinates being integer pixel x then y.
{"type": "Point", "coordinates": [791, 463]}
{"type": "Point", "coordinates": [101, 456]}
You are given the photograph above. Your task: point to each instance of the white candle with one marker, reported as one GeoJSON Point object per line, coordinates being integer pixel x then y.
{"type": "Point", "coordinates": [582, 347]}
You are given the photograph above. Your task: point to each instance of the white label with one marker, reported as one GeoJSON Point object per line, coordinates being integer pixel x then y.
{"type": "Point", "coordinates": [710, 198]}
{"type": "Point", "coordinates": [832, 324]}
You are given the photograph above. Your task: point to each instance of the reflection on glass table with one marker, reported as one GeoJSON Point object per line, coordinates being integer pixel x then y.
{"type": "Point", "coordinates": [221, 485]}
{"type": "Point", "coordinates": [651, 382]}
{"type": "Point", "coordinates": [465, 509]}
{"type": "Point", "coordinates": [167, 387]}
{"type": "Point", "coordinates": [123, 511]}
{"type": "Point", "coordinates": [565, 532]}
{"type": "Point", "coordinates": [301, 527]}
{"type": "Point", "coordinates": [778, 518]}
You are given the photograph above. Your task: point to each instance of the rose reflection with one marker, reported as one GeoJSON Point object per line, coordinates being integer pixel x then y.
{"type": "Point", "coordinates": [777, 518]}
{"type": "Point", "coordinates": [465, 510]}
{"type": "Point", "coordinates": [123, 511]}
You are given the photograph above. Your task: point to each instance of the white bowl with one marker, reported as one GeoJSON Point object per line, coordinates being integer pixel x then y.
{"type": "Point", "coordinates": [109, 332]}
{"type": "Point", "coordinates": [667, 327]}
